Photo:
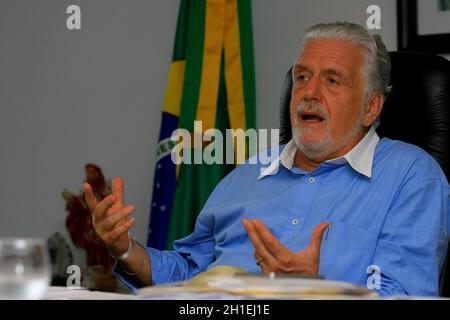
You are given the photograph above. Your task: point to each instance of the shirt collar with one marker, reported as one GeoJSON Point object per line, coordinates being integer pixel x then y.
{"type": "Point", "coordinates": [360, 158]}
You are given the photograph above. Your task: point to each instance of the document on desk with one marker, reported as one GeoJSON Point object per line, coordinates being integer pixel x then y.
{"type": "Point", "coordinates": [259, 286]}
{"type": "Point", "coordinates": [287, 287]}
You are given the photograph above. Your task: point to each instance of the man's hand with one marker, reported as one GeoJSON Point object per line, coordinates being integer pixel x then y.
{"type": "Point", "coordinates": [272, 256]}
{"type": "Point", "coordinates": [110, 218]}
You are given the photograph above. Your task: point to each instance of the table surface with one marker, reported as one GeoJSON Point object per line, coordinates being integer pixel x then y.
{"type": "Point", "coordinates": [64, 293]}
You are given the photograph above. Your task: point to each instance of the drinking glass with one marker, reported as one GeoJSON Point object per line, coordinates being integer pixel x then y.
{"type": "Point", "coordinates": [24, 268]}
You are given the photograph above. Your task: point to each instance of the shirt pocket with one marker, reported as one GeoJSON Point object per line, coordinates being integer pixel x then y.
{"type": "Point", "coordinates": [350, 237]}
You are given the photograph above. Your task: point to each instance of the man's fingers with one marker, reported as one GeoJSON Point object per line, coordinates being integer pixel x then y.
{"type": "Point", "coordinates": [316, 238]}
{"type": "Point", "coordinates": [89, 196]}
{"type": "Point", "coordinates": [270, 242]}
{"type": "Point", "coordinates": [258, 244]}
{"type": "Point", "coordinates": [103, 206]}
{"type": "Point", "coordinates": [114, 218]}
{"type": "Point", "coordinates": [118, 190]}
{"type": "Point", "coordinates": [264, 267]}
{"type": "Point", "coordinates": [121, 228]}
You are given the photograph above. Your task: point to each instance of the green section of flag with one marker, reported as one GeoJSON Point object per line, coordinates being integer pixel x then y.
{"type": "Point", "coordinates": [179, 48]}
{"type": "Point", "coordinates": [247, 60]}
{"type": "Point", "coordinates": [444, 5]}
{"type": "Point", "coordinates": [194, 61]}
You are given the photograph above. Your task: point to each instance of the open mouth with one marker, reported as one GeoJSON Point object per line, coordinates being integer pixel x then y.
{"type": "Point", "coordinates": [311, 117]}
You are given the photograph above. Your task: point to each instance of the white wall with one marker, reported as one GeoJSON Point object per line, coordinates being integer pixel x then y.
{"type": "Point", "coordinates": [72, 97]}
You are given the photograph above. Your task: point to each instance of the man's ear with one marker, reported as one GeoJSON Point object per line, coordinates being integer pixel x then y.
{"type": "Point", "coordinates": [373, 109]}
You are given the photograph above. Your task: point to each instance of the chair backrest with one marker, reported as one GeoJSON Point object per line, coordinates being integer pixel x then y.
{"type": "Point", "coordinates": [416, 111]}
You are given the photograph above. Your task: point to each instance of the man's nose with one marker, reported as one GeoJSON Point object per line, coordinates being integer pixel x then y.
{"type": "Point", "coordinates": [313, 89]}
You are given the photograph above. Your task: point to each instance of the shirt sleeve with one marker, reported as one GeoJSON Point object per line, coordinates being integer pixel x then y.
{"type": "Point", "coordinates": [412, 245]}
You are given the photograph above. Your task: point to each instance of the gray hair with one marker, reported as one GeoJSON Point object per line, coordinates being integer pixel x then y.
{"type": "Point", "coordinates": [377, 68]}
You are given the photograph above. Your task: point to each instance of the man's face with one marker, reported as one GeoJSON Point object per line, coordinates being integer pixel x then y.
{"type": "Point", "coordinates": [327, 113]}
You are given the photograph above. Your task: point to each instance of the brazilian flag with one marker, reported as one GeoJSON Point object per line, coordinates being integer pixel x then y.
{"type": "Point", "coordinates": [211, 79]}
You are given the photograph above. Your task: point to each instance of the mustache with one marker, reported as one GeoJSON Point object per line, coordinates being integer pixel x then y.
{"type": "Point", "coordinates": [312, 106]}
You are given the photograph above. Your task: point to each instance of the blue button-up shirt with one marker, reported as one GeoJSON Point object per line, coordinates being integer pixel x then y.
{"type": "Point", "coordinates": [387, 202]}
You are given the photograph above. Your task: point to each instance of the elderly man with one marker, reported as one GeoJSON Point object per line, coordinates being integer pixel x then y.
{"type": "Point", "coordinates": [337, 202]}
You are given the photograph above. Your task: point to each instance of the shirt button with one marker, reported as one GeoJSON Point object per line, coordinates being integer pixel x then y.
{"type": "Point", "coordinates": [311, 180]}
{"type": "Point", "coordinates": [295, 222]}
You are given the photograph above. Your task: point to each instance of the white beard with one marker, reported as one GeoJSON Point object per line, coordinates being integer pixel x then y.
{"type": "Point", "coordinates": [326, 146]}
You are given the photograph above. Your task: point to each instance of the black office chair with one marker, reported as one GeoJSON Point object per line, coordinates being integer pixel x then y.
{"type": "Point", "coordinates": [416, 111]}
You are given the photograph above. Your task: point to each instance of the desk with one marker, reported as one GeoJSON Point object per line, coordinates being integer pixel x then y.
{"type": "Point", "coordinates": [63, 293]}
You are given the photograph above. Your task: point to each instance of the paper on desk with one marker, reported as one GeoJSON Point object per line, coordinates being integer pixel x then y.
{"type": "Point", "coordinates": [258, 286]}
{"type": "Point", "coordinates": [289, 287]}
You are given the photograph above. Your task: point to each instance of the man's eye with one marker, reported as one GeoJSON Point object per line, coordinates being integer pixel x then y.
{"type": "Point", "coordinates": [302, 77]}
{"type": "Point", "coordinates": [333, 81]}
